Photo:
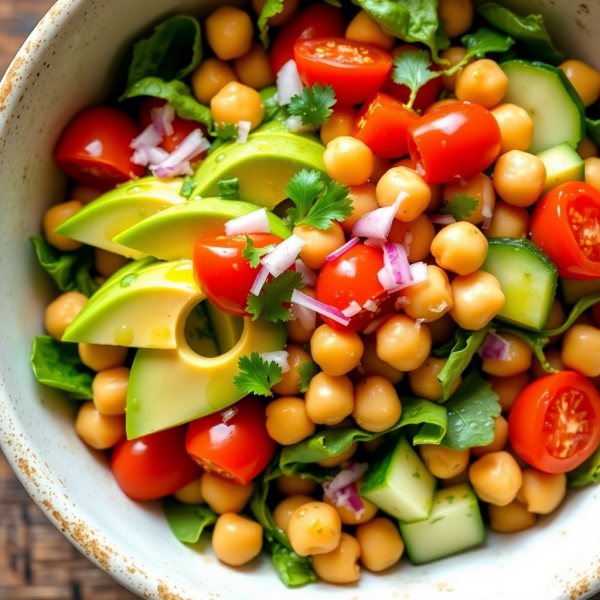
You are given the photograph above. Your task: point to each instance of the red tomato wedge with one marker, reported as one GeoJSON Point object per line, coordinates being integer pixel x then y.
{"type": "Point", "coordinates": [233, 443]}
{"type": "Point", "coordinates": [317, 21]}
{"type": "Point", "coordinates": [554, 423]}
{"type": "Point", "coordinates": [154, 465]}
{"type": "Point", "coordinates": [566, 225]}
{"type": "Point", "coordinates": [382, 124]}
{"type": "Point", "coordinates": [355, 70]}
{"type": "Point", "coordinates": [94, 149]}
{"type": "Point", "coordinates": [224, 275]}
{"type": "Point", "coordinates": [454, 142]}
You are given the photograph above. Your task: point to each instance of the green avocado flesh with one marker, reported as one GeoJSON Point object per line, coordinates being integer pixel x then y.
{"type": "Point", "coordinates": [170, 235]}
{"type": "Point", "coordinates": [264, 164]}
{"type": "Point", "coordinates": [101, 220]}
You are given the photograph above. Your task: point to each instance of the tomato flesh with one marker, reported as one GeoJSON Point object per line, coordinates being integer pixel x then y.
{"type": "Point", "coordinates": [355, 70]}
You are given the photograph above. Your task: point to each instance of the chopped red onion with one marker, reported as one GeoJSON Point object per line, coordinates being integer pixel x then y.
{"type": "Point", "coordinates": [320, 307]}
{"type": "Point", "coordinates": [376, 324]}
{"type": "Point", "coordinates": [349, 475]}
{"type": "Point", "coordinates": [401, 301]}
{"type": "Point", "coordinates": [495, 347]}
{"type": "Point", "coordinates": [260, 280]}
{"type": "Point", "coordinates": [243, 131]}
{"type": "Point", "coordinates": [283, 256]}
{"type": "Point", "coordinates": [374, 243]}
{"type": "Point", "coordinates": [289, 83]}
{"type": "Point", "coordinates": [149, 138]}
{"type": "Point", "coordinates": [294, 124]}
{"type": "Point", "coordinates": [349, 498]}
{"type": "Point", "coordinates": [229, 413]}
{"type": "Point", "coordinates": [353, 309]}
{"type": "Point", "coordinates": [396, 263]}
{"type": "Point", "coordinates": [279, 358]}
{"type": "Point", "coordinates": [377, 223]}
{"type": "Point", "coordinates": [178, 162]}
{"type": "Point", "coordinates": [306, 316]}
{"type": "Point", "coordinates": [163, 117]}
{"type": "Point", "coordinates": [308, 275]}
{"type": "Point", "coordinates": [487, 223]}
{"type": "Point", "coordinates": [156, 155]}
{"type": "Point", "coordinates": [370, 305]}
{"type": "Point", "coordinates": [140, 157]}
{"type": "Point", "coordinates": [442, 219]}
{"type": "Point", "coordinates": [254, 222]}
{"type": "Point", "coordinates": [417, 270]}
{"type": "Point", "coordinates": [337, 253]}
{"type": "Point", "coordinates": [94, 148]}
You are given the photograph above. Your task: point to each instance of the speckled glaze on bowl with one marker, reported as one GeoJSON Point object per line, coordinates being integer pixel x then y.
{"type": "Point", "coordinates": [67, 64]}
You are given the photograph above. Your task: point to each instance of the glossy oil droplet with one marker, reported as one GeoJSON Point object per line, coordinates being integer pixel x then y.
{"type": "Point", "coordinates": [124, 336]}
{"type": "Point", "coordinates": [128, 280]}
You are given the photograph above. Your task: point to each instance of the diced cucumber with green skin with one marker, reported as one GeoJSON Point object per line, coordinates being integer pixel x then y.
{"type": "Point", "coordinates": [454, 525]}
{"type": "Point", "coordinates": [573, 290]}
{"type": "Point", "coordinates": [557, 112]}
{"type": "Point", "coordinates": [399, 483]}
{"type": "Point", "coordinates": [527, 278]}
{"type": "Point", "coordinates": [562, 164]}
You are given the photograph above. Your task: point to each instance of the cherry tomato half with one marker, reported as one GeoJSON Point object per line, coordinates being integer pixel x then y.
{"type": "Point", "coordinates": [355, 70]}
{"type": "Point", "coordinates": [454, 142]}
{"type": "Point", "coordinates": [353, 276]}
{"type": "Point", "coordinates": [554, 423]}
{"type": "Point", "coordinates": [233, 443]}
{"type": "Point", "coordinates": [382, 124]}
{"type": "Point", "coordinates": [224, 275]}
{"type": "Point", "coordinates": [94, 149]}
{"type": "Point", "coordinates": [566, 225]}
{"type": "Point", "coordinates": [154, 465]}
{"type": "Point", "coordinates": [317, 21]}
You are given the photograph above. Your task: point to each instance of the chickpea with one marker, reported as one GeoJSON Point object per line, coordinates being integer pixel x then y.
{"type": "Point", "coordinates": [371, 364]}
{"type": "Point", "coordinates": [339, 565]}
{"type": "Point", "coordinates": [224, 496]}
{"type": "Point", "coordinates": [454, 55]}
{"type": "Point", "coordinates": [442, 462]}
{"type": "Point", "coordinates": [587, 148]}
{"type": "Point", "coordinates": [339, 124]}
{"type": "Point", "coordinates": [285, 509]}
{"type": "Point", "coordinates": [542, 492]}
{"type": "Point", "coordinates": [236, 540]}
{"type": "Point", "coordinates": [329, 399]}
{"type": "Point", "coordinates": [319, 243]}
{"type": "Point", "coordinates": [348, 517]}
{"type": "Point", "coordinates": [295, 328]}
{"type": "Point", "coordinates": [364, 29]}
{"type": "Point", "coordinates": [85, 194]}
{"type": "Point", "coordinates": [210, 78]}
{"type": "Point", "coordinates": [460, 248]}
{"type": "Point", "coordinates": [403, 344]}
{"type": "Point", "coordinates": [482, 82]}
{"type": "Point", "coordinates": [436, 198]}
{"type": "Point", "coordinates": [508, 388]}
{"type": "Point", "coordinates": [510, 518]}
{"type": "Point", "coordinates": [581, 350]}
{"type": "Point", "coordinates": [496, 478]}
{"type": "Point", "coordinates": [520, 358]}
{"type": "Point", "coordinates": [519, 178]}
{"type": "Point", "coordinates": [348, 160]}
{"type": "Point", "coordinates": [237, 102]}
{"type": "Point", "coordinates": [107, 263]}
{"type": "Point", "coordinates": [295, 484]}
{"type": "Point", "coordinates": [290, 380]}
{"type": "Point", "coordinates": [585, 80]}
{"type": "Point", "coordinates": [500, 438]}
{"type": "Point", "coordinates": [442, 329]}
{"type": "Point", "coordinates": [287, 421]}
{"type": "Point", "coordinates": [376, 404]}
{"type": "Point", "coordinates": [404, 185]}
{"type": "Point", "coordinates": [229, 32]}
{"type": "Point", "coordinates": [430, 299]}
{"type": "Point", "coordinates": [553, 357]}
{"type": "Point", "coordinates": [478, 298]}
{"type": "Point", "coordinates": [363, 201]}
{"type": "Point", "coordinates": [516, 127]}
{"type": "Point", "coordinates": [314, 528]}
{"type": "Point", "coordinates": [61, 312]}
{"type": "Point", "coordinates": [457, 16]}
{"type": "Point", "coordinates": [99, 358]}
{"type": "Point", "coordinates": [109, 391]}
{"type": "Point", "coordinates": [336, 352]}
{"type": "Point", "coordinates": [56, 215]}
{"type": "Point", "coordinates": [508, 221]}
{"type": "Point", "coordinates": [97, 430]}
{"type": "Point", "coordinates": [190, 493]}
{"type": "Point", "coordinates": [254, 68]}
{"type": "Point", "coordinates": [336, 461]}
{"type": "Point", "coordinates": [380, 167]}
{"type": "Point", "coordinates": [592, 171]}
{"type": "Point", "coordinates": [380, 544]}
{"type": "Point", "coordinates": [416, 236]}
{"type": "Point", "coordinates": [424, 383]}
{"type": "Point", "coordinates": [479, 187]}
{"type": "Point", "coordinates": [405, 162]}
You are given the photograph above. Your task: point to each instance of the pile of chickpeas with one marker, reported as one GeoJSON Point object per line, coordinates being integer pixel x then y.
{"type": "Point", "coordinates": [356, 385]}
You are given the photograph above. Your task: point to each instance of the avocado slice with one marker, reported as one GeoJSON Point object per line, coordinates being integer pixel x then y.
{"type": "Point", "coordinates": [171, 387]}
{"type": "Point", "coordinates": [170, 234]}
{"type": "Point", "coordinates": [264, 164]}
{"type": "Point", "coordinates": [101, 220]}
{"type": "Point", "coordinates": [139, 306]}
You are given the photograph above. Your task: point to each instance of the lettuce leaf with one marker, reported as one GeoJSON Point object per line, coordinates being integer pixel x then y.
{"type": "Point", "coordinates": [187, 522]}
{"type": "Point", "coordinates": [586, 473]}
{"type": "Point", "coordinates": [270, 9]}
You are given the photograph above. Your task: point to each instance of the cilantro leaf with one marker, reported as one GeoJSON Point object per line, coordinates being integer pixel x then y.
{"type": "Point", "coordinates": [253, 254]}
{"type": "Point", "coordinates": [460, 206]}
{"type": "Point", "coordinates": [229, 189]}
{"type": "Point", "coordinates": [188, 187]}
{"type": "Point", "coordinates": [224, 132]}
{"type": "Point", "coordinates": [412, 70]}
{"type": "Point", "coordinates": [302, 189]}
{"type": "Point", "coordinates": [273, 295]}
{"type": "Point", "coordinates": [257, 376]}
{"type": "Point", "coordinates": [333, 205]}
{"type": "Point", "coordinates": [307, 370]}
{"type": "Point", "coordinates": [484, 41]}
{"type": "Point", "coordinates": [313, 105]}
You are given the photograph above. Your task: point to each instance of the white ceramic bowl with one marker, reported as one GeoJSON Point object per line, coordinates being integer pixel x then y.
{"type": "Point", "coordinates": [66, 64]}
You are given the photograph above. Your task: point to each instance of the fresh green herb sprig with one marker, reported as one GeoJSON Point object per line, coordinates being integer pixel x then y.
{"type": "Point", "coordinates": [252, 254]}
{"type": "Point", "coordinates": [460, 206]}
{"type": "Point", "coordinates": [313, 105]}
{"type": "Point", "coordinates": [274, 294]}
{"type": "Point", "coordinates": [257, 376]}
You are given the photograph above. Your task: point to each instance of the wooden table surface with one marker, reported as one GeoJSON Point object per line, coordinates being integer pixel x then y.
{"type": "Point", "coordinates": [36, 561]}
